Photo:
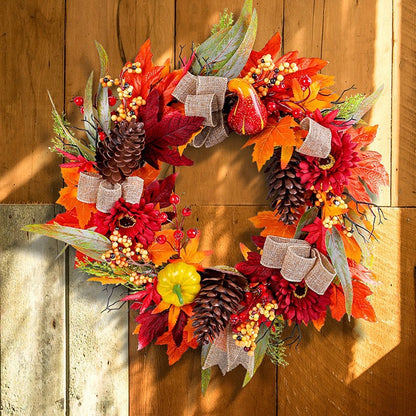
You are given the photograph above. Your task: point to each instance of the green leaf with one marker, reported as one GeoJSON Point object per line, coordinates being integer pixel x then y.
{"type": "Point", "coordinates": [259, 352]}
{"type": "Point", "coordinates": [307, 218]}
{"type": "Point", "coordinates": [89, 120]}
{"type": "Point", "coordinates": [103, 108]}
{"type": "Point", "coordinates": [103, 59]}
{"type": "Point", "coordinates": [87, 242]}
{"type": "Point", "coordinates": [237, 61]}
{"type": "Point", "coordinates": [218, 49]}
{"type": "Point", "coordinates": [367, 104]}
{"type": "Point", "coordinates": [205, 373]}
{"type": "Point", "coordinates": [336, 251]}
{"type": "Point", "coordinates": [67, 135]}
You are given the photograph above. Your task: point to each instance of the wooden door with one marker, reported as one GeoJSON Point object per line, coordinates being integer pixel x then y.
{"type": "Point", "coordinates": [77, 361]}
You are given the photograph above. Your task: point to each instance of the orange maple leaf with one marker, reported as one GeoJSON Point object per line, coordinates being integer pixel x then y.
{"type": "Point", "coordinates": [272, 226]}
{"type": "Point", "coordinates": [352, 248]}
{"type": "Point", "coordinates": [107, 280]}
{"type": "Point", "coordinates": [161, 253]}
{"type": "Point", "coordinates": [68, 197]}
{"type": "Point", "coordinates": [147, 173]}
{"type": "Point", "coordinates": [276, 133]}
{"type": "Point", "coordinates": [188, 341]}
{"type": "Point", "coordinates": [361, 307]}
{"type": "Point", "coordinates": [319, 323]}
{"type": "Point", "coordinates": [191, 255]}
{"type": "Point", "coordinates": [244, 251]}
{"type": "Point", "coordinates": [369, 169]}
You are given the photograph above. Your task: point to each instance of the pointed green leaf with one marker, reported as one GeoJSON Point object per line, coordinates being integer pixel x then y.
{"type": "Point", "coordinates": [89, 120]}
{"type": "Point", "coordinates": [307, 218]}
{"type": "Point", "coordinates": [367, 104]}
{"type": "Point", "coordinates": [218, 49]}
{"type": "Point", "coordinates": [87, 242]}
{"type": "Point", "coordinates": [103, 59]}
{"type": "Point", "coordinates": [260, 351]}
{"type": "Point", "coordinates": [103, 108]}
{"type": "Point", "coordinates": [71, 139]}
{"type": "Point", "coordinates": [237, 61]}
{"type": "Point", "coordinates": [336, 251]}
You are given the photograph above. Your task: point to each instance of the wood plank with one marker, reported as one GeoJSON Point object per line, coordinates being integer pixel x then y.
{"type": "Point", "coordinates": [361, 368]}
{"type": "Point", "coordinates": [357, 39]}
{"type": "Point", "coordinates": [303, 27]}
{"type": "Point", "coordinates": [32, 51]}
{"type": "Point", "coordinates": [32, 293]}
{"type": "Point", "coordinates": [404, 78]}
{"type": "Point", "coordinates": [98, 352]}
{"type": "Point", "coordinates": [225, 174]}
{"type": "Point", "coordinates": [157, 389]}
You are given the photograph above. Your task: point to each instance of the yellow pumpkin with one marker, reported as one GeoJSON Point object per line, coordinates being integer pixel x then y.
{"type": "Point", "coordinates": [178, 283]}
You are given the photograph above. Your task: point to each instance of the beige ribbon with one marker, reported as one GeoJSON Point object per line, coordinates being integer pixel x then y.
{"type": "Point", "coordinates": [92, 189]}
{"type": "Point", "coordinates": [298, 261]}
{"type": "Point", "coordinates": [227, 355]}
{"type": "Point", "coordinates": [204, 97]}
{"type": "Point", "coordinates": [318, 141]}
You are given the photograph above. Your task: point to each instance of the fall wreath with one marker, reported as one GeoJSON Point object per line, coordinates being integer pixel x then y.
{"type": "Point", "coordinates": [128, 226]}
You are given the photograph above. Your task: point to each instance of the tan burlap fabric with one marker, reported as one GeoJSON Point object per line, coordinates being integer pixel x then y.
{"type": "Point", "coordinates": [297, 261]}
{"type": "Point", "coordinates": [88, 185]}
{"type": "Point", "coordinates": [108, 195]}
{"type": "Point", "coordinates": [227, 355]}
{"type": "Point", "coordinates": [318, 141]}
{"type": "Point", "coordinates": [132, 189]}
{"type": "Point", "coordinates": [204, 97]}
{"type": "Point", "coordinates": [93, 189]}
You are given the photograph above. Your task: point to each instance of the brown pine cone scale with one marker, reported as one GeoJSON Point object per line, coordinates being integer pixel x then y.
{"type": "Point", "coordinates": [119, 154]}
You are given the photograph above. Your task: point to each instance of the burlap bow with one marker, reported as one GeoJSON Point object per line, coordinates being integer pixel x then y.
{"type": "Point", "coordinates": [318, 141]}
{"type": "Point", "coordinates": [93, 189]}
{"type": "Point", "coordinates": [298, 261]}
{"type": "Point", "coordinates": [227, 355]}
{"type": "Point", "coordinates": [204, 97]}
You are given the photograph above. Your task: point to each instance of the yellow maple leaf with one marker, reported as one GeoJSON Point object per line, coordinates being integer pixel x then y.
{"type": "Point", "coordinates": [311, 98]}
{"type": "Point", "coordinates": [276, 133]}
{"type": "Point", "coordinates": [107, 280]}
{"type": "Point", "coordinates": [191, 255]}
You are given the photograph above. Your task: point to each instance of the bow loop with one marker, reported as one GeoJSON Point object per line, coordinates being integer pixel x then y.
{"type": "Point", "coordinates": [297, 261]}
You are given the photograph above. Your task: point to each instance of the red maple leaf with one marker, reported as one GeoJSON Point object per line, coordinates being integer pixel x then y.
{"type": "Point", "coordinates": [144, 298]}
{"type": "Point", "coordinates": [177, 331]}
{"type": "Point", "coordinates": [253, 270]}
{"type": "Point", "coordinates": [165, 132]}
{"type": "Point", "coordinates": [316, 235]}
{"type": "Point", "coordinates": [272, 47]}
{"type": "Point", "coordinates": [158, 192]}
{"type": "Point", "coordinates": [150, 326]}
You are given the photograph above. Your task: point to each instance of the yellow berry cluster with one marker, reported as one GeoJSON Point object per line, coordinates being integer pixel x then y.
{"type": "Point", "coordinates": [122, 250]}
{"type": "Point", "coordinates": [106, 81]}
{"type": "Point", "coordinates": [140, 279]}
{"type": "Point", "coordinates": [248, 331]}
{"type": "Point", "coordinates": [126, 91]}
{"type": "Point", "coordinates": [137, 102]}
{"type": "Point", "coordinates": [134, 67]}
{"type": "Point", "coordinates": [266, 75]}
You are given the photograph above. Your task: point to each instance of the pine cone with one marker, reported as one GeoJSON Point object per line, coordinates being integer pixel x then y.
{"type": "Point", "coordinates": [285, 190]}
{"type": "Point", "coordinates": [221, 292]}
{"type": "Point", "coordinates": [119, 154]}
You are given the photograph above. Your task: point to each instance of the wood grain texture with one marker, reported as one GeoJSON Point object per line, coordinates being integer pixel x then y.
{"type": "Point", "coordinates": [356, 40]}
{"type": "Point", "coordinates": [360, 368]}
{"type": "Point", "coordinates": [32, 56]}
{"type": "Point", "coordinates": [97, 348]}
{"type": "Point", "coordinates": [32, 299]}
{"type": "Point", "coordinates": [157, 389]}
{"type": "Point", "coordinates": [404, 79]}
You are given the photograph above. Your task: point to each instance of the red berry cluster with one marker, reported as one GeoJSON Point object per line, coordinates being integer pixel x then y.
{"type": "Point", "coordinates": [179, 232]}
